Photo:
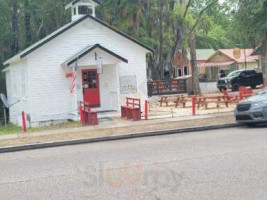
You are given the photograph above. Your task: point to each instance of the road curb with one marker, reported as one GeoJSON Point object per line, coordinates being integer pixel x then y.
{"type": "Point", "coordinates": [111, 138]}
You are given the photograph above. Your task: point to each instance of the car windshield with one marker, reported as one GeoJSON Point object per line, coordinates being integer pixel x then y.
{"type": "Point", "coordinates": [234, 74]}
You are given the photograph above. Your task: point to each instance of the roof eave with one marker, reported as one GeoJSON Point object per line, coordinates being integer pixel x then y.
{"type": "Point", "coordinates": [77, 1]}
{"type": "Point", "coordinates": [6, 69]}
{"type": "Point", "coordinates": [85, 52]}
{"type": "Point", "coordinates": [12, 60]}
{"type": "Point", "coordinates": [34, 47]}
{"type": "Point", "coordinates": [122, 34]}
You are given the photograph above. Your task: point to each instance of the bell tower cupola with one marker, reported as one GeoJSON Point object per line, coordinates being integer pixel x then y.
{"type": "Point", "coordinates": [80, 8]}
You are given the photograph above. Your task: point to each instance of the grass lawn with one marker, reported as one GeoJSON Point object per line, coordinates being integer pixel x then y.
{"type": "Point", "coordinates": [12, 129]}
{"type": "Point", "coordinates": [9, 129]}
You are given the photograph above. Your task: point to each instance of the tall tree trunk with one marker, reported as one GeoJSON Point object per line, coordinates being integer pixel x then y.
{"type": "Point", "coordinates": [264, 56]}
{"type": "Point", "coordinates": [27, 22]}
{"type": "Point", "coordinates": [15, 28]}
{"type": "Point", "coordinates": [160, 63]}
{"type": "Point", "coordinates": [193, 61]}
{"type": "Point", "coordinates": [177, 45]}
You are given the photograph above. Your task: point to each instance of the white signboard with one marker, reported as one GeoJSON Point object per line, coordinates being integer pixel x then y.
{"type": "Point", "coordinates": [128, 84]}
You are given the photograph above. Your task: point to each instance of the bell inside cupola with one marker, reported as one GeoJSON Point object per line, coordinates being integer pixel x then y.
{"type": "Point", "coordinates": [80, 8]}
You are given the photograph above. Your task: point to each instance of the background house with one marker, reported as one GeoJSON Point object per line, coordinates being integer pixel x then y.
{"type": "Point", "coordinates": [223, 59]}
{"type": "Point", "coordinates": [182, 66]}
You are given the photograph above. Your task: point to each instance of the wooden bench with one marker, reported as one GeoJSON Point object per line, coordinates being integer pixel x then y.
{"type": "Point", "coordinates": [90, 116]}
{"type": "Point", "coordinates": [132, 109]}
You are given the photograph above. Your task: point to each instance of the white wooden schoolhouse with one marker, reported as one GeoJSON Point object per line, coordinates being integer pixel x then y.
{"type": "Point", "coordinates": [85, 60]}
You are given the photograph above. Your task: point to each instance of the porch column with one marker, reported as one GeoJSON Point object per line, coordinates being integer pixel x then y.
{"type": "Point", "coordinates": [74, 102]}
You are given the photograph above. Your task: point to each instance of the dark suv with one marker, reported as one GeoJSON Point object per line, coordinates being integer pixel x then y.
{"type": "Point", "coordinates": [240, 78]}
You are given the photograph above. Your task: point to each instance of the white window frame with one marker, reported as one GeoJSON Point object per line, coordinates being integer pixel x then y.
{"type": "Point", "coordinates": [177, 72]}
{"type": "Point", "coordinates": [187, 70]}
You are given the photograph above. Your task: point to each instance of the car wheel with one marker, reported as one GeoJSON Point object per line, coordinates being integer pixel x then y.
{"type": "Point", "coordinates": [235, 87]}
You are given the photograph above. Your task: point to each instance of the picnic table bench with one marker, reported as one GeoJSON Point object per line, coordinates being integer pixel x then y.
{"type": "Point", "coordinates": [186, 99]}
{"type": "Point", "coordinates": [202, 100]}
{"type": "Point", "coordinates": [174, 99]}
{"type": "Point", "coordinates": [90, 116]}
{"type": "Point", "coordinates": [206, 100]}
{"type": "Point", "coordinates": [168, 99]}
{"type": "Point", "coordinates": [178, 99]}
{"type": "Point", "coordinates": [132, 109]}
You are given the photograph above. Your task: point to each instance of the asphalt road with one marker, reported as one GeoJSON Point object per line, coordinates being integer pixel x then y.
{"type": "Point", "coordinates": [228, 164]}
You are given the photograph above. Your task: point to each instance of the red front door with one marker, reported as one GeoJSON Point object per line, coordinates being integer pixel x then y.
{"type": "Point", "coordinates": [91, 93]}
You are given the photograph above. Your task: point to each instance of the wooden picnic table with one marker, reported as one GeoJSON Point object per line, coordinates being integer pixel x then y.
{"type": "Point", "coordinates": [177, 99]}
{"type": "Point", "coordinates": [166, 99]}
{"type": "Point", "coordinates": [218, 99]}
{"type": "Point", "coordinates": [186, 99]}
{"type": "Point", "coordinates": [201, 100]}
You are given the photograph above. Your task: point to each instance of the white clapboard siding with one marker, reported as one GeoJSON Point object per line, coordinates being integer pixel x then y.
{"type": "Point", "coordinates": [48, 96]}
{"type": "Point", "coordinates": [18, 90]}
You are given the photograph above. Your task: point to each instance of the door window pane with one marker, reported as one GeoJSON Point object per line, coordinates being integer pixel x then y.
{"type": "Point", "coordinates": [90, 78]}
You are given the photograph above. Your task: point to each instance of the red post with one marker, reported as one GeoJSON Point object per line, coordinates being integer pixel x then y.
{"type": "Point", "coordinates": [146, 110]}
{"type": "Point", "coordinates": [81, 115]}
{"type": "Point", "coordinates": [193, 105]}
{"type": "Point", "coordinates": [24, 122]}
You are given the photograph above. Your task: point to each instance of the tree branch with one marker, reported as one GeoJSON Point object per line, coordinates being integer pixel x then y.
{"type": "Point", "coordinates": [200, 15]}
{"type": "Point", "coordinates": [187, 7]}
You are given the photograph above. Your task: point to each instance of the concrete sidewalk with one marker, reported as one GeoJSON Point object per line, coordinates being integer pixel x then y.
{"type": "Point", "coordinates": [114, 127]}
{"type": "Point", "coordinates": [108, 123]}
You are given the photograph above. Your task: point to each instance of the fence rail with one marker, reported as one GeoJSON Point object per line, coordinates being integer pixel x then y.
{"type": "Point", "coordinates": [166, 87]}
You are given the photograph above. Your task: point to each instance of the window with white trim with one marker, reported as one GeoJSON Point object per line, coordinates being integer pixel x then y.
{"type": "Point", "coordinates": [85, 10]}
{"type": "Point", "coordinates": [179, 72]}
{"type": "Point", "coordinates": [186, 71]}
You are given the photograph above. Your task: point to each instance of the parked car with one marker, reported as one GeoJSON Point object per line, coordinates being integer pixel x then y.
{"type": "Point", "coordinates": [240, 78]}
{"type": "Point", "coordinates": [253, 110]}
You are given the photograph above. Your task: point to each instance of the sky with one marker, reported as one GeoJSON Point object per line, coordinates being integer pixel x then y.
{"type": "Point", "coordinates": [221, 1]}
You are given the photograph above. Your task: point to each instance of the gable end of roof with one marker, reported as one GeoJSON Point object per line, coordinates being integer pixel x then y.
{"type": "Point", "coordinates": [52, 37]}
{"type": "Point", "coordinates": [77, 1]}
{"type": "Point", "coordinates": [94, 47]}
{"type": "Point", "coordinates": [79, 21]}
